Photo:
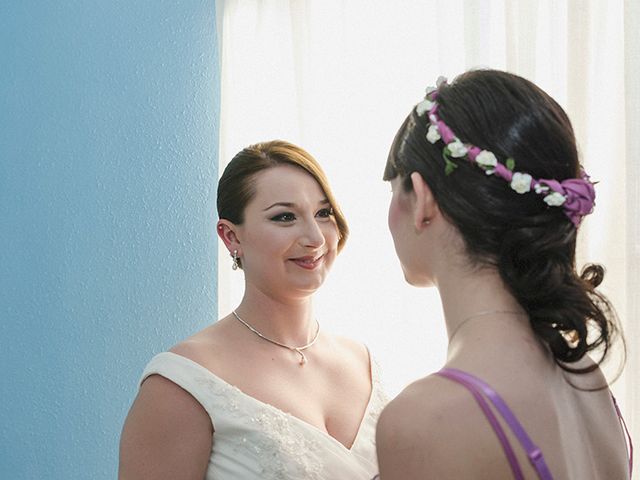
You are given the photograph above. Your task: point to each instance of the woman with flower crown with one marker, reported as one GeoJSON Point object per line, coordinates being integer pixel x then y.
{"type": "Point", "coordinates": [488, 196]}
{"type": "Point", "coordinates": [263, 393]}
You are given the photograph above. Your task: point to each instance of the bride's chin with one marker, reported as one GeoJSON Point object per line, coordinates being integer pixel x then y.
{"type": "Point", "coordinates": [305, 287]}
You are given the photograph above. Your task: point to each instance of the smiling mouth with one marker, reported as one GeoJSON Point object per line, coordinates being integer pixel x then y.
{"type": "Point", "coordinates": [308, 263]}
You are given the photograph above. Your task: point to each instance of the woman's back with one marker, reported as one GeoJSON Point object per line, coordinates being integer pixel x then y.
{"type": "Point", "coordinates": [577, 431]}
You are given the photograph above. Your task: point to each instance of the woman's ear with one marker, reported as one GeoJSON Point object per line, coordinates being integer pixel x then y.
{"type": "Point", "coordinates": [227, 232]}
{"type": "Point", "coordinates": [426, 208]}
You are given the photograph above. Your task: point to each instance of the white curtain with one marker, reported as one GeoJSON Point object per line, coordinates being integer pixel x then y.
{"type": "Point", "coordinates": [338, 78]}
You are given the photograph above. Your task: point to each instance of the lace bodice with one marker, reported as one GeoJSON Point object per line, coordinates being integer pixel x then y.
{"type": "Point", "coordinates": [255, 440]}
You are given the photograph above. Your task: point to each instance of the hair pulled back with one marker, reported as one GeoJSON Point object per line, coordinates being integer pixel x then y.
{"type": "Point", "coordinates": [237, 185]}
{"type": "Point", "coordinates": [531, 245]}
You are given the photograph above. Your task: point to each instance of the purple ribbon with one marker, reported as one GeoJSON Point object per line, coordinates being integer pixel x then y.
{"type": "Point", "coordinates": [578, 192]}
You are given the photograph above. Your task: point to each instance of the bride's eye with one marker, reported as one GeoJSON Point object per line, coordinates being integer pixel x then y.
{"type": "Point", "coordinates": [284, 217]}
{"type": "Point", "coordinates": [325, 213]}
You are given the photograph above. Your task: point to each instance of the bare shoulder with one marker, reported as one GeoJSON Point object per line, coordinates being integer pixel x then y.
{"type": "Point", "coordinates": [196, 349]}
{"type": "Point", "coordinates": [168, 433]}
{"type": "Point", "coordinates": [207, 347]}
{"type": "Point", "coordinates": [426, 431]}
{"type": "Point", "coordinates": [426, 402]}
{"type": "Point", "coordinates": [355, 351]}
{"type": "Point", "coordinates": [153, 443]}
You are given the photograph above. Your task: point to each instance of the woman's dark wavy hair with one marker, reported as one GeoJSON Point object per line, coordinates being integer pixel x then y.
{"type": "Point", "coordinates": [532, 245]}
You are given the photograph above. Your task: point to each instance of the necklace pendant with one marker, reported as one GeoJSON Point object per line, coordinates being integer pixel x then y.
{"type": "Point", "coordinates": [303, 358]}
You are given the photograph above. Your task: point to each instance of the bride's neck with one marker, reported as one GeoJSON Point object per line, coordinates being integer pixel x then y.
{"type": "Point", "coordinates": [289, 321]}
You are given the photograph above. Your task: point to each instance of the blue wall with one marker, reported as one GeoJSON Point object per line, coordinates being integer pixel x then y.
{"type": "Point", "coordinates": [108, 163]}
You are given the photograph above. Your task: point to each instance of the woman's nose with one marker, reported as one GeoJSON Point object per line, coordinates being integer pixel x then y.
{"type": "Point", "coordinates": [312, 235]}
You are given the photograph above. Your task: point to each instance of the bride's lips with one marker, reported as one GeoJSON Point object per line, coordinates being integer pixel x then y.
{"type": "Point", "coordinates": [309, 262]}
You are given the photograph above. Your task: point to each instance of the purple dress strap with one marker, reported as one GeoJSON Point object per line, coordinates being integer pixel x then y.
{"type": "Point", "coordinates": [623, 424]}
{"type": "Point", "coordinates": [475, 386]}
{"type": "Point", "coordinates": [495, 424]}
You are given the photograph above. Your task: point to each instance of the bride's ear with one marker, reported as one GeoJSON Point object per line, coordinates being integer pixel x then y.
{"type": "Point", "coordinates": [426, 208]}
{"type": "Point", "coordinates": [227, 232]}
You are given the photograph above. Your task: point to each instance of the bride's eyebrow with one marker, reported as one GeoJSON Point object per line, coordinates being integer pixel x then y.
{"type": "Point", "coordinates": [280, 204]}
{"type": "Point", "coordinates": [324, 201]}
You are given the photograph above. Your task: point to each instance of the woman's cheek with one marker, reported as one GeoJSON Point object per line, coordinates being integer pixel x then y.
{"type": "Point", "coordinates": [394, 215]}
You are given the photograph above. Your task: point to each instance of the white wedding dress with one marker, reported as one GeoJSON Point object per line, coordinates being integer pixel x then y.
{"type": "Point", "coordinates": [254, 440]}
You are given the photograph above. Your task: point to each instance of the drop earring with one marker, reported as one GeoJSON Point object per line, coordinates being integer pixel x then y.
{"type": "Point", "coordinates": [236, 263]}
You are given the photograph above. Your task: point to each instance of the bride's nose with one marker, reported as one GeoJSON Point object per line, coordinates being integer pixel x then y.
{"type": "Point", "coordinates": [312, 235]}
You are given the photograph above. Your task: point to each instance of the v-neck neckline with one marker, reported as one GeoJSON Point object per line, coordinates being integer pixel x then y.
{"type": "Point", "coordinates": [300, 421]}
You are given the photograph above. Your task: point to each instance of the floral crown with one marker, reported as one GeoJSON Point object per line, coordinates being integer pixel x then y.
{"type": "Point", "coordinates": [576, 196]}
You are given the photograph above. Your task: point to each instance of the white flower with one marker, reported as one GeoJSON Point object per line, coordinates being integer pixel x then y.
{"type": "Point", "coordinates": [539, 188]}
{"type": "Point", "coordinates": [433, 135]}
{"type": "Point", "coordinates": [441, 80]}
{"type": "Point", "coordinates": [457, 149]}
{"type": "Point", "coordinates": [486, 159]}
{"type": "Point", "coordinates": [490, 171]}
{"type": "Point", "coordinates": [521, 182]}
{"type": "Point", "coordinates": [424, 106]}
{"type": "Point", "coordinates": [554, 199]}
{"type": "Point", "coordinates": [430, 89]}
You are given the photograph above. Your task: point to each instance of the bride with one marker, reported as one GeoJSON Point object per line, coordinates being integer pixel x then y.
{"type": "Point", "coordinates": [263, 393]}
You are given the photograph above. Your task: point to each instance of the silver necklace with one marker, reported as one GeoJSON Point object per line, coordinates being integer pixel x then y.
{"type": "Point", "coordinates": [482, 314]}
{"type": "Point", "coordinates": [299, 350]}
